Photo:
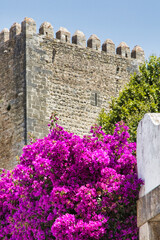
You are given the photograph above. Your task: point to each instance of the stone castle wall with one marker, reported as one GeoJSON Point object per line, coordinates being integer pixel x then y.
{"type": "Point", "coordinates": [53, 74]}
{"type": "Point", "coordinates": [12, 99]}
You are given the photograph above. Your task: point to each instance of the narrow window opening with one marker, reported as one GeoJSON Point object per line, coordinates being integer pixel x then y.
{"type": "Point", "coordinates": [117, 70]}
{"type": "Point", "coordinates": [53, 55]}
{"type": "Point", "coordinates": [8, 107]}
{"type": "Point", "coordinates": [117, 86]}
{"type": "Point", "coordinates": [66, 38]}
{"type": "Point", "coordinates": [126, 55]}
{"type": "Point", "coordinates": [95, 99]}
{"type": "Point", "coordinates": [46, 33]}
{"type": "Point", "coordinates": [96, 47]}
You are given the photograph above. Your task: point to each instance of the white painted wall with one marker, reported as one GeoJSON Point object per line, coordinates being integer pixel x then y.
{"type": "Point", "coordinates": [148, 152]}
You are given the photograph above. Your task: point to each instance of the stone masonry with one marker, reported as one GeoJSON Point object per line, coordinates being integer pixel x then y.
{"type": "Point", "coordinates": [40, 74]}
{"type": "Point", "coordinates": [148, 161]}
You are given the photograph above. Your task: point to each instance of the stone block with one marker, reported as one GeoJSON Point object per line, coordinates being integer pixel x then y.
{"type": "Point", "coordinates": [79, 38]}
{"type": "Point", "coordinates": [46, 29]}
{"type": "Point", "coordinates": [109, 47]}
{"type": "Point", "coordinates": [148, 207]}
{"type": "Point", "coordinates": [28, 26]}
{"type": "Point", "coordinates": [63, 34]}
{"type": "Point", "coordinates": [150, 231]}
{"type": "Point", "coordinates": [14, 30]}
{"type": "Point", "coordinates": [138, 53]}
{"type": "Point", "coordinates": [4, 35]}
{"type": "Point", "coordinates": [144, 233]}
{"type": "Point", "coordinates": [123, 50]}
{"type": "Point", "coordinates": [148, 215]}
{"type": "Point", "coordinates": [94, 42]}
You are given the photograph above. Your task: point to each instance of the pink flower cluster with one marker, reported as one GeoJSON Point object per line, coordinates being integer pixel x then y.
{"type": "Point", "coordinates": [72, 188]}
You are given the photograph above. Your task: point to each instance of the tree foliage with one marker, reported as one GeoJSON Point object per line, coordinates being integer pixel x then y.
{"type": "Point", "coordinates": [72, 188]}
{"type": "Point", "coordinates": [140, 96]}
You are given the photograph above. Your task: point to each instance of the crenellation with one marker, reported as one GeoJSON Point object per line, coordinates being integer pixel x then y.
{"type": "Point", "coordinates": [79, 38]}
{"type": "Point", "coordinates": [14, 30]}
{"type": "Point", "coordinates": [138, 53]}
{"type": "Point", "coordinates": [46, 29]}
{"type": "Point", "coordinates": [64, 35]}
{"type": "Point", "coordinates": [4, 35]}
{"type": "Point", "coordinates": [94, 42]}
{"type": "Point", "coordinates": [109, 47]}
{"type": "Point", "coordinates": [28, 26]}
{"type": "Point", "coordinates": [123, 50]}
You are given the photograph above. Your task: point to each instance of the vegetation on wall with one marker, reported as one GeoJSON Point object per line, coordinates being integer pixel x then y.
{"type": "Point", "coordinates": [140, 96]}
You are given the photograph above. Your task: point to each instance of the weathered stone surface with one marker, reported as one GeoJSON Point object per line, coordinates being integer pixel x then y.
{"type": "Point", "coordinates": [79, 38]}
{"type": "Point", "coordinates": [64, 35]}
{"type": "Point", "coordinates": [148, 207]}
{"type": "Point", "coordinates": [148, 152]}
{"type": "Point", "coordinates": [70, 77]}
{"type": "Point", "coordinates": [148, 161]}
{"type": "Point", "coordinates": [144, 232]}
{"type": "Point", "coordinates": [46, 29]}
{"type": "Point", "coordinates": [4, 35]}
{"type": "Point", "coordinates": [109, 47]}
{"type": "Point", "coordinates": [12, 101]}
{"type": "Point", "coordinates": [123, 50]}
{"type": "Point", "coordinates": [94, 42]}
{"type": "Point", "coordinates": [15, 30]}
{"type": "Point", "coordinates": [138, 53]}
{"type": "Point", "coordinates": [150, 231]}
{"type": "Point", "coordinates": [28, 27]}
{"type": "Point", "coordinates": [154, 232]}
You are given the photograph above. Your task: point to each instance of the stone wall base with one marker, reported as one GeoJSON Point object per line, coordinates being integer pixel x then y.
{"type": "Point", "coordinates": [150, 231]}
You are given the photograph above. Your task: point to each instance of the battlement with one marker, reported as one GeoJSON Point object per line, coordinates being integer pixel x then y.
{"type": "Point", "coordinates": [28, 28]}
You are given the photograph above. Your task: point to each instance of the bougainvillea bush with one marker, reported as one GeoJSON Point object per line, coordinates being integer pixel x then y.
{"type": "Point", "coordinates": [72, 188]}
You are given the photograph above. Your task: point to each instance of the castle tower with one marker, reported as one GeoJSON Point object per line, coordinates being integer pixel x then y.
{"type": "Point", "coordinates": [41, 74]}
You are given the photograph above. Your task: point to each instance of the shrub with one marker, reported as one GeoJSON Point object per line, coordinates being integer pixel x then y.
{"type": "Point", "coordinates": [140, 96]}
{"type": "Point", "coordinates": [67, 187]}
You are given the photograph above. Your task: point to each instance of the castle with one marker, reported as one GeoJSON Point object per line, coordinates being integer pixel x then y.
{"type": "Point", "coordinates": [40, 74]}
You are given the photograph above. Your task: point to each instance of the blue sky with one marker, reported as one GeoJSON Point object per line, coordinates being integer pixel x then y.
{"type": "Point", "coordinates": [136, 22]}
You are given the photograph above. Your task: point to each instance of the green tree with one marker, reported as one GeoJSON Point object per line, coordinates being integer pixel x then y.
{"type": "Point", "coordinates": [141, 95]}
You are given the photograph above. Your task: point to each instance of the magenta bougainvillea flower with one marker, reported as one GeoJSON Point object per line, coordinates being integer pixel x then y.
{"type": "Point", "coordinates": [72, 188]}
